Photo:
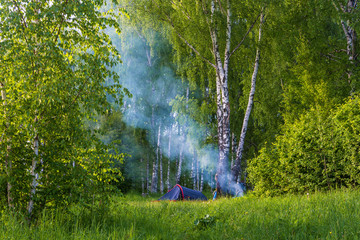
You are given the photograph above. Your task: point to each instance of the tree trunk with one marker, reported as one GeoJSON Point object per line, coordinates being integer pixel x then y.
{"type": "Point", "coordinates": [154, 180]}
{"type": "Point", "coordinates": [142, 178]}
{"type": "Point", "coordinates": [33, 174]}
{"type": "Point", "coordinates": [350, 34]}
{"type": "Point", "coordinates": [237, 166]}
{"type": "Point", "coordinates": [193, 171]}
{"type": "Point", "coordinates": [233, 150]}
{"type": "Point", "coordinates": [211, 180]}
{"type": "Point", "coordinates": [169, 161]}
{"type": "Point", "coordinates": [197, 174]}
{"type": "Point", "coordinates": [223, 106]}
{"type": "Point", "coordinates": [147, 175]}
{"type": "Point", "coordinates": [8, 162]}
{"type": "Point", "coordinates": [178, 175]}
{"type": "Point", "coordinates": [202, 180]}
{"type": "Point", "coordinates": [161, 170]}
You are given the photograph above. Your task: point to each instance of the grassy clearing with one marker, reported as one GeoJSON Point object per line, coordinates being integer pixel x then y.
{"type": "Point", "coordinates": [334, 215]}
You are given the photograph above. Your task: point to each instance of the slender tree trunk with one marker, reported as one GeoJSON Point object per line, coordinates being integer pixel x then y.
{"type": "Point", "coordinates": [161, 169]}
{"type": "Point", "coordinates": [169, 161]}
{"type": "Point", "coordinates": [193, 170]}
{"type": "Point", "coordinates": [211, 180]}
{"type": "Point", "coordinates": [8, 162]}
{"type": "Point", "coordinates": [142, 178]}
{"type": "Point", "coordinates": [154, 180]}
{"type": "Point", "coordinates": [233, 150]}
{"type": "Point", "coordinates": [33, 173]}
{"type": "Point", "coordinates": [237, 166]}
{"type": "Point", "coordinates": [202, 180]}
{"type": "Point", "coordinates": [178, 175]}
{"type": "Point", "coordinates": [147, 175]}
{"type": "Point", "coordinates": [197, 174]}
{"type": "Point", "coordinates": [177, 159]}
{"type": "Point", "coordinates": [351, 37]}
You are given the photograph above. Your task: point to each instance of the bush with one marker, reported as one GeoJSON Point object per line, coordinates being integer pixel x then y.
{"type": "Point", "coordinates": [318, 151]}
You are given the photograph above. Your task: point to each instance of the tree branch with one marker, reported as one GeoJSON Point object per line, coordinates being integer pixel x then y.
{"type": "Point", "coordinates": [221, 8]}
{"type": "Point", "coordinates": [184, 12]}
{"type": "Point", "coordinates": [61, 23]}
{"type": "Point", "coordinates": [184, 40]}
{"type": "Point", "coordinates": [247, 33]}
{"type": "Point", "coordinates": [24, 25]}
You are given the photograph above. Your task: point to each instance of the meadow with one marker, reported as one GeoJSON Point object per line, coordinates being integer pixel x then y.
{"type": "Point", "coordinates": [331, 215]}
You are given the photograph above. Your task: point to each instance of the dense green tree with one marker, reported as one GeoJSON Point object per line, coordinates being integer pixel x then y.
{"type": "Point", "coordinates": [54, 61]}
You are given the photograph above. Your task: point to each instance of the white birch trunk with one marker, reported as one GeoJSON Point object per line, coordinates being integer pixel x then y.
{"type": "Point", "coordinates": [223, 106]}
{"type": "Point", "coordinates": [147, 175]}
{"type": "Point", "coordinates": [33, 174]}
{"type": "Point", "coordinates": [350, 34]}
{"type": "Point", "coordinates": [142, 178]}
{"type": "Point", "coordinates": [161, 169]}
{"type": "Point", "coordinates": [193, 171]}
{"type": "Point", "coordinates": [154, 179]}
{"type": "Point", "coordinates": [197, 175]}
{"type": "Point", "coordinates": [233, 149]}
{"type": "Point", "coordinates": [178, 175]}
{"type": "Point", "coordinates": [8, 162]}
{"type": "Point", "coordinates": [211, 180]}
{"type": "Point", "coordinates": [169, 161]}
{"type": "Point", "coordinates": [237, 166]}
{"type": "Point", "coordinates": [202, 180]}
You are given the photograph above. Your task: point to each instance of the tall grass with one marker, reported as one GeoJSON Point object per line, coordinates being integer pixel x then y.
{"type": "Point", "coordinates": [334, 215]}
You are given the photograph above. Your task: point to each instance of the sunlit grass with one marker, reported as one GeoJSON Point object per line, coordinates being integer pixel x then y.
{"type": "Point", "coordinates": [334, 215]}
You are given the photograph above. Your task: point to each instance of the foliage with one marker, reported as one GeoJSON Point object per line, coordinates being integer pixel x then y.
{"type": "Point", "coordinates": [318, 151]}
{"type": "Point", "coordinates": [54, 60]}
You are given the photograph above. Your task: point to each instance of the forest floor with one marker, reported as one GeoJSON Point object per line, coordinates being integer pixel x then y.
{"type": "Point", "coordinates": [332, 215]}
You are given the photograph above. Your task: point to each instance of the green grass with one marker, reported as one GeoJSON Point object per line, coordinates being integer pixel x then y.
{"type": "Point", "coordinates": [334, 215]}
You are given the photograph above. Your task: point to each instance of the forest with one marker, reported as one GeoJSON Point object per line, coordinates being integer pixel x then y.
{"type": "Point", "coordinates": [107, 100]}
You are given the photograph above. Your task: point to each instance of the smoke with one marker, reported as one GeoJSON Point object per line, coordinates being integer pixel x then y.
{"type": "Point", "coordinates": [149, 75]}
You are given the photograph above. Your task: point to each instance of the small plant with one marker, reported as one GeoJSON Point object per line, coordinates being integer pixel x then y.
{"type": "Point", "coordinates": [205, 222]}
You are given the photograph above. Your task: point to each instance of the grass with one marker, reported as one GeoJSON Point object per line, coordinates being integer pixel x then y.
{"type": "Point", "coordinates": [334, 215]}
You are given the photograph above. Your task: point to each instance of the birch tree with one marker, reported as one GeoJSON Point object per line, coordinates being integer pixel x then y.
{"type": "Point", "coordinates": [204, 29]}
{"type": "Point", "coordinates": [54, 61]}
{"type": "Point", "coordinates": [348, 14]}
{"type": "Point", "coordinates": [169, 161]}
{"type": "Point", "coordinates": [237, 165]}
{"type": "Point", "coordinates": [154, 179]}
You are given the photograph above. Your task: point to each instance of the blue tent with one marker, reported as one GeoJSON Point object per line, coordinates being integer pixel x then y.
{"type": "Point", "coordinates": [182, 193]}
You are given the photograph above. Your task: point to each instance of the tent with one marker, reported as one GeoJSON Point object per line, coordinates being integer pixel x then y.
{"type": "Point", "coordinates": [182, 193]}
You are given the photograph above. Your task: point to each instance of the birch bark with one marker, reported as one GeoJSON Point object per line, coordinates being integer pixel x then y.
{"type": "Point", "coordinates": [350, 33]}
{"type": "Point", "coordinates": [178, 175]}
{"type": "Point", "coordinates": [193, 171]}
{"type": "Point", "coordinates": [154, 180]}
{"type": "Point", "coordinates": [161, 165]}
{"type": "Point", "coordinates": [233, 149]}
{"type": "Point", "coordinates": [8, 162]}
{"type": "Point", "coordinates": [223, 106]}
{"type": "Point", "coordinates": [237, 166]}
{"type": "Point", "coordinates": [169, 161]}
{"type": "Point", "coordinates": [221, 67]}
{"type": "Point", "coordinates": [142, 179]}
{"type": "Point", "coordinates": [147, 175]}
{"type": "Point", "coordinates": [202, 180]}
{"type": "Point", "coordinates": [33, 173]}
{"type": "Point", "coordinates": [197, 174]}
